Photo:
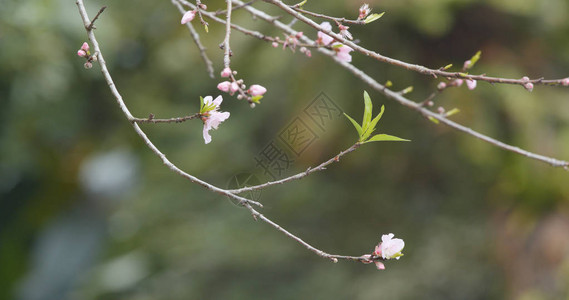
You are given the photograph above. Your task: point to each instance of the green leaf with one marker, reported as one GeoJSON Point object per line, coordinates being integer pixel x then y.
{"type": "Point", "coordinates": [299, 5]}
{"type": "Point", "coordinates": [388, 83]}
{"type": "Point", "coordinates": [474, 59]}
{"type": "Point", "coordinates": [452, 112]}
{"type": "Point", "coordinates": [356, 125]}
{"type": "Point", "coordinates": [386, 137]}
{"type": "Point", "coordinates": [432, 119]}
{"type": "Point", "coordinates": [367, 112]}
{"type": "Point", "coordinates": [206, 29]}
{"type": "Point", "coordinates": [407, 90]}
{"type": "Point", "coordinates": [373, 17]}
{"type": "Point", "coordinates": [201, 104]}
{"type": "Point", "coordinates": [372, 124]}
{"type": "Point", "coordinates": [447, 67]}
{"type": "Point", "coordinates": [257, 98]}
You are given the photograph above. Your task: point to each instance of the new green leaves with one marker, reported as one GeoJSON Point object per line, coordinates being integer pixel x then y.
{"type": "Point", "coordinates": [368, 125]}
{"type": "Point", "coordinates": [373, 17]}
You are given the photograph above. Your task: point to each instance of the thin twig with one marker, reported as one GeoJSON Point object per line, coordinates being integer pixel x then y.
{"type": "Point", "coordinates": [322, 16]}
{"type": "Point", "coordinates": [151, 119]}
{"type": "Point", "coordinates": [309, 171]}
{"type": "Point", "coordinates": [196, 38]}
{"type": "Point", "coordinates": [406, 102]}
{"type": "Point", "coordinates": [140, 132]}
{"type": "Point", "coordinates": [226, 48]}
{"type": "Point", "coordinates": [92, 24]}
{"type": "Point", "coordinates": [222, 12]}
{"type": "Point", "coordinates": [408, 66]}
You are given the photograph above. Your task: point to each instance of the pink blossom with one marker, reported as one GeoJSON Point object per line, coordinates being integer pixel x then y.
{"type": "Point", "coordinates": [379, 265]}
{"type": "Point", "coordinates": [565, 82]}
{"type": "Point", "coordinates": [224, 86]}
{"type": "Point", "coordinates": [344, 32]}
{"type": "Point", "coordinates": [226, 72]}
{"type": "Point", "coordinates": [343, 52]}
{"type": "Point", "coordinates": [234, 87]}
{"type": "Point", "coordinates": [471, 84]}
{"type": "Point", "coordinates": [188, 16]}
{"type": "Point", "coordinates": [213, 117]}
{"type": "Point", "coordinates": [323, 38]}
{"type": "Point", "coordinates": [364, 11]}
{"type": "Point", "coordinates": [390, 247]}
{"type": "Point", "coordinates": [441, 86]}
{"type": "Point", "coordinates": [85, 47]}
{"type": "Point", "coordinates": [256, 90]}
{"type": "Point", "coordinates": [275, 44]}
{"type": "Point", "coordinates": [299, 34]}
{"type": "Point", "coordinates": [81, 53]}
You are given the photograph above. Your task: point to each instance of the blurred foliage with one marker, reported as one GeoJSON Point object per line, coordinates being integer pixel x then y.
{"type": "Point", "coordinates": [88, 212]}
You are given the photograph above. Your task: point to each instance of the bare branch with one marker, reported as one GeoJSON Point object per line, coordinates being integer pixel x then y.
{"type": "Point", "coordinates": [413, 67]}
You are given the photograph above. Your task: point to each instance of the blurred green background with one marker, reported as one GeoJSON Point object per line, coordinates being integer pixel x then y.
{"type": "Point", "coordinates": [88, 212]}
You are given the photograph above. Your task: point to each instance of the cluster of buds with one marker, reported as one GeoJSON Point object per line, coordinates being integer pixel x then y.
{"type": "Point", "coordinates": [253, 94]}
{"type": "Point", "coordinates": [342, 51]}
{"type": "Point", "coordinates": [291, 41]}
{"type": "Point", "coordinates": [527, 84]}
{"type": "Point", "coordinates": [389, 248]}
{"type": "Point", "coordinates": [84, 52]}
{"type": "Point", "coordinates": [470, 83]}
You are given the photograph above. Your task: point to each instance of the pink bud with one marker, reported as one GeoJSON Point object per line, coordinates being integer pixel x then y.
{"type": "Point", "coordinates": [441, 86]}
{"type": "Point", "coordinates": [88, 65]}
{"type": "Point", "coordinates": [471, 84]}
{"type": "Point", "coordinates": [85, 47]}
{"type": "Point", "coordinates": [188, 16]}
{"type": "Point", "coordinates": [226, 72]}
{"type": "Point", "coordinates": [299, 34]}
{"type": "Point", "coordinates": [529, 86]}
{"type": "Point", "coordinates": [565, 82]}
{"type": "Point", "coordinates": [308, 53]}
{"type": "Point", "coordinates": [466, 64]}
{"type": "Point", "coordinates": [379, 265]}
{"type": "Point", "coordinates": [525, 79]}
{"type": "Point", "coordinates": [458, 82]}
{"type": "Point", "coordinates": [256, 90]}
{"type": "Point", "coordinates": [81, 53]}
{"type": "Point", "coordinates": [224, 86]}
{"type": "Point", "coordinates": [233, 87]}
{"type": "Point", "coordinates": [275, 44]}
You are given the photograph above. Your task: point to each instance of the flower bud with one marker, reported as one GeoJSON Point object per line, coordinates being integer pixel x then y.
{"type": "Point", "coordinates": [528, 86]}
{"type": "Point", "coordinates": [471, 84]}
{"type": "Point", "coordinates": [565, 82]}
{"type": "Point", "coordinates": [81, 53]}
{"type": "Point", "coordinates": [85, 47]}
{"type": "Point", "coordinates": [188, 16]}
{"type": "Point", "coordinates": [275, 44]}
{"type": "Point", "coordinates": [234, 87]}
{"type": "Point", "coordinates": [257, 90]}
{"type": "Point", "coordinates": [88, 65]}
{"type": "Point", "coordinates": [224, 86]}
{"type": "Point", "coordinates": [226, 72]}
{"type": "Point", "coordinates": [441, 86]}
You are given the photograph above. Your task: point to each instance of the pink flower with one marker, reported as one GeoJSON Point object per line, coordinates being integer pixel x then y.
{"type": "Point", "coordinates": [226, 72]}
{"type": "Point", "coordinates": [390, 247]}
{"type": "Point", "coordinates": [565, 82]}
{"type": "Point", "coordinates": [256, 90]}
{"type": "Point", "coordinates": [224, 86]}
{"type": "Point", "coordinates": [188, 16]}
{"type": "Point", "coordinates": [343, 52]}
{"type": "Point", "coordinates": [85, 47]}
{"type": "Point", "coordinates": [471, 84]}
{"type": "Point", "coordinates": [81, 53]}
{"type": "Point", "coordinates": [364, 11]}
{"type": "Point", "coordinates": [234, 87]}
{"type": "Point", "coordinates": [323, 38]}
{"type": "Point", "coordinates": [344, 32]}
{"type": "Point", "coordinates": [379, 265]}
{"type": "Point", "coordinates": [213, 117]}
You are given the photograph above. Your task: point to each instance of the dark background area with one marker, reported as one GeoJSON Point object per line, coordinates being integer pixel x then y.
{"type": "Point", "coordinates": [88, 212]}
